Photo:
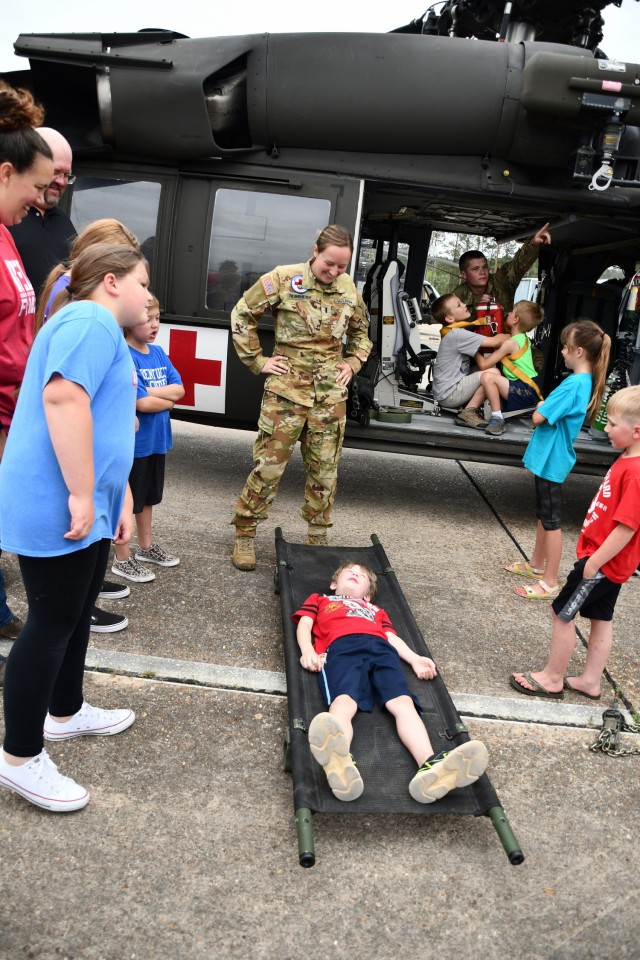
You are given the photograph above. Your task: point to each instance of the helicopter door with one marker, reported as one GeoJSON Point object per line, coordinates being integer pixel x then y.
{"type": "Point", "coordinates": [229, 232]}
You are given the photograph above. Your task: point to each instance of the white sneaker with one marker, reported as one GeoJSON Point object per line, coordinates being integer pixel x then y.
{"type": "Point", "coordinates": [449, 770]}
{"type": "Point", "coordinates": [40, 782]}
{"type": "Point", "coordinates": [329, 746]}
{"type": "Point", "coordinates": [89, 722]}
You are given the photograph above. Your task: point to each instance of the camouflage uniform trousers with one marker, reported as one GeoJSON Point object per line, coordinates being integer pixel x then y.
{"type": "Point", "coordinates": [320, 430]}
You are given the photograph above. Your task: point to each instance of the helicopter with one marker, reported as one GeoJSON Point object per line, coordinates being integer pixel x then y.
{"type": "Point", "coordinates": [226, 155]}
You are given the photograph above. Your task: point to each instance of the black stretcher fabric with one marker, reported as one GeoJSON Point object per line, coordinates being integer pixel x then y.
{"type": "Point", "coordinates": [384, 763]}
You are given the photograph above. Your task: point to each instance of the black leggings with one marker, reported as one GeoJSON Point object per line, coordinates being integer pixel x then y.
{"type": "Point", "coordinates": [45, 667]}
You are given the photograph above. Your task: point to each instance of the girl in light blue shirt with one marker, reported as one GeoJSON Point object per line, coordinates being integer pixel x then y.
{"type": "Point", "coordinates": [63, 499]}
{"type": "Point", "coordinates": [550, 455]}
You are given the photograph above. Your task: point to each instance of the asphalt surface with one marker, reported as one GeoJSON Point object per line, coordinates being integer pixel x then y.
{"type": "Point", "coordinates": [188, 847]}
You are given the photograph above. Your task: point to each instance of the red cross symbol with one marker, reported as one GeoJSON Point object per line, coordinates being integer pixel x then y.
{"type": "Point", "coordinates": [182, 350]}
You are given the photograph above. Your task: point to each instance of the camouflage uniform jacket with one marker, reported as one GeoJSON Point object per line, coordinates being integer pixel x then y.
{"type": "Point", "coordinates": [503, 283]}
{"type": "Point", "coordinates": [310, 319]}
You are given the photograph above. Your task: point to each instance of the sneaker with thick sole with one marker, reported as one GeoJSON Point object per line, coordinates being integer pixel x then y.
{"type": "Point", "coordinates": [89, 722]}
{"type": "Point", "coordinates": [103, 622]}
{"type": "Point", "coordinates": [40, 782]}
{"type": "Point", "coordinates": [244, 553]}
{"type": "Point", "coordinates": [155, 554]}
{"type": "Point", "coordinates": [11, 629]}
{"type": "Point", "coordinates": [496, 427]}
{"type": "Point", "coordinates": [448, 771]}
{"type": "Point", "coordinates": [471, 418]}
{"type": "Point", "coordinates": [318, 538]}
{"type": "Point", "coordinates": [130, 569]}
{"type": "Point", "coordinates": [113, 591]}
{"type": "Point", "coordinates": [328, 743]}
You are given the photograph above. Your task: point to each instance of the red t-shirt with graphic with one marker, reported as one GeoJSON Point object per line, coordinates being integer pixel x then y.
{"type": "Point", "coordinates": [17, 316]}
{"type": "Point", "coordinates": [334, 617]}
{"type": "Point", "coordinates": [617, 501]}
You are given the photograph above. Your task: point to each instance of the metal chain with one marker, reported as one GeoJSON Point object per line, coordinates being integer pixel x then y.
{"type": "Point", "coordinates": [614, 723]}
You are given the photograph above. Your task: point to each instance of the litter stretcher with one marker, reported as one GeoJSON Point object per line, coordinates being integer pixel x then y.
{"type": "Point", "coordinates": [385, 764]}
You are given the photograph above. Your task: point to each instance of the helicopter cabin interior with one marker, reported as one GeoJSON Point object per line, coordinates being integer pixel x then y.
{"type": "Point", "coordinates": [398, 224]}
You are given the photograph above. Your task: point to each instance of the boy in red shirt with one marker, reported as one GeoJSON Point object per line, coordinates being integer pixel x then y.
{"type": "Point", "coordinates": [354, 647]}
{"type": "Point", "coordinates": [608, 553]}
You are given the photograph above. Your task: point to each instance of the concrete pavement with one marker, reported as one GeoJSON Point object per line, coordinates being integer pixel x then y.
{"type": "Point", "coordinates": [188, 847]}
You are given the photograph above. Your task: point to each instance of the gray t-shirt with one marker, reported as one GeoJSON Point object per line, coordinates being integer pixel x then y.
{"type": "Point", "coordinates": [454, 360]}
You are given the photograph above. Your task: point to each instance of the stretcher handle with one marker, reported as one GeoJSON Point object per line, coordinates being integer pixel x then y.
{"type": "Point", "coordinates": [304, 826]}
{"type": "Point", "coordinates": [506, 834]}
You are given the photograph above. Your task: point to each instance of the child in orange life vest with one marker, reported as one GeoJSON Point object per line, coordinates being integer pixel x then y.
{"type": "Point", "coordinates": [352, 645]}
{"type": "Point", "coordinates": [550, 456]}
{"type": "Point", "coordinates": [608, 552]}
{"type": "Point", "coordinates": [521, 391]}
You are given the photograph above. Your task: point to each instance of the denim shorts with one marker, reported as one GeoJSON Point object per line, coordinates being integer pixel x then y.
{"type": "Point", "coordinates": [521, 395]}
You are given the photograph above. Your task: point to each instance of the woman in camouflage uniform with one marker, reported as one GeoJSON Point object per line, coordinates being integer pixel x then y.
{"type": "Point", "coordinates": [314, 305]}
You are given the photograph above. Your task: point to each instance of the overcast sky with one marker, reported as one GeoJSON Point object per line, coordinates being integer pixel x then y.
{"type": "Point", "coordinates": [220, 18]}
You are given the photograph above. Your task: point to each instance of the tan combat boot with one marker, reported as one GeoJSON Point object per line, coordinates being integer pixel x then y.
{"type": "Point", "coordinates": [317, 537]}
{"type": "Point", "coordinates": [471, 418]}
{"type": "Point", "coordinates": [244, 555]}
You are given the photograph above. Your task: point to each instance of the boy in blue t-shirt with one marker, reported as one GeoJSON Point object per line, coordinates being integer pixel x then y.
{"type": "Point", "coordinates": [159, 388]}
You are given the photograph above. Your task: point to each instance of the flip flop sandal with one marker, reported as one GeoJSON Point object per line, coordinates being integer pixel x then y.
{"type": "Point", "coordinates": [550, 593]}
{"type": "Point", "coordinates": [538, 689]}
{"type": "Point", "coordinates": [590, 696]}
{"type": "Point", "coordinates": [522, 568]}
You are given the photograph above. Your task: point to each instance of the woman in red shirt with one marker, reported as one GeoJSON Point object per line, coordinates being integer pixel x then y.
{"type": "Point", "coordinates": [26, 169]}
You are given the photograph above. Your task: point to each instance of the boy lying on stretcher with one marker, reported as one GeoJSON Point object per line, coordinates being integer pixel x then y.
{"type": "Point", "coordinates": [354, 647]}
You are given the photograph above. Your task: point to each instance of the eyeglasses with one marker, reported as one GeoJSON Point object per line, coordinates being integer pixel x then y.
{"type": "Point", "coordinates": [67, 177]}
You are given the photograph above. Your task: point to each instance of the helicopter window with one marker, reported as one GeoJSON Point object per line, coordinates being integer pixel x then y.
{"type": "Point", "coordinates": [251, 233]}
{"type": "Point", "coordinates": [133, 202]}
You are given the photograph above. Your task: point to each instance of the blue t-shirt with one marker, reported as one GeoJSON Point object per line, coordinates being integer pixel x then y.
{"type": "Point", "coordinates": [550, 454]}
{"type": "Point", "coordinates": [84, 344]}
{"type": "Point", "coordinates": [154, 369]}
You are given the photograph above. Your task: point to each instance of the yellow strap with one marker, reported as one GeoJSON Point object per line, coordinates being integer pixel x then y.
{"type": "Point", "coordinates": [519, 353]}
{"type": "Point", "coordinates": [520, 374]}
{"type": "Point", "coordinates": [444, 330]}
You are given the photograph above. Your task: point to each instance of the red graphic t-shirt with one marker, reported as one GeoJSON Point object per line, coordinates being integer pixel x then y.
{"type": "Point", "coordinates": [335, 617]}
{"type": "Point", "coordinates": [617, 501]}
{"type": "Point", "coordinates": [17, 315]}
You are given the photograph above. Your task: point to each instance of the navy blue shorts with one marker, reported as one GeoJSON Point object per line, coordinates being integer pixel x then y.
{"type": "Point", "coordinates": [549, 503]}
{"type": "Point", "coordinates": [521, 395]}
{"type": "Point", "coordinates": [147, 481]}
{"type": "Point", "coordinates": [360, 665]}
{"type": "Point", "coordinates": [594, 598]}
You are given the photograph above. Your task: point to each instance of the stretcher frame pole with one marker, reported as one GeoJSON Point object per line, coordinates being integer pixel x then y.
{"type": "Point", "coordinates": [505, 833]}
{"type": "Point", "coordinates": [304, 826]}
